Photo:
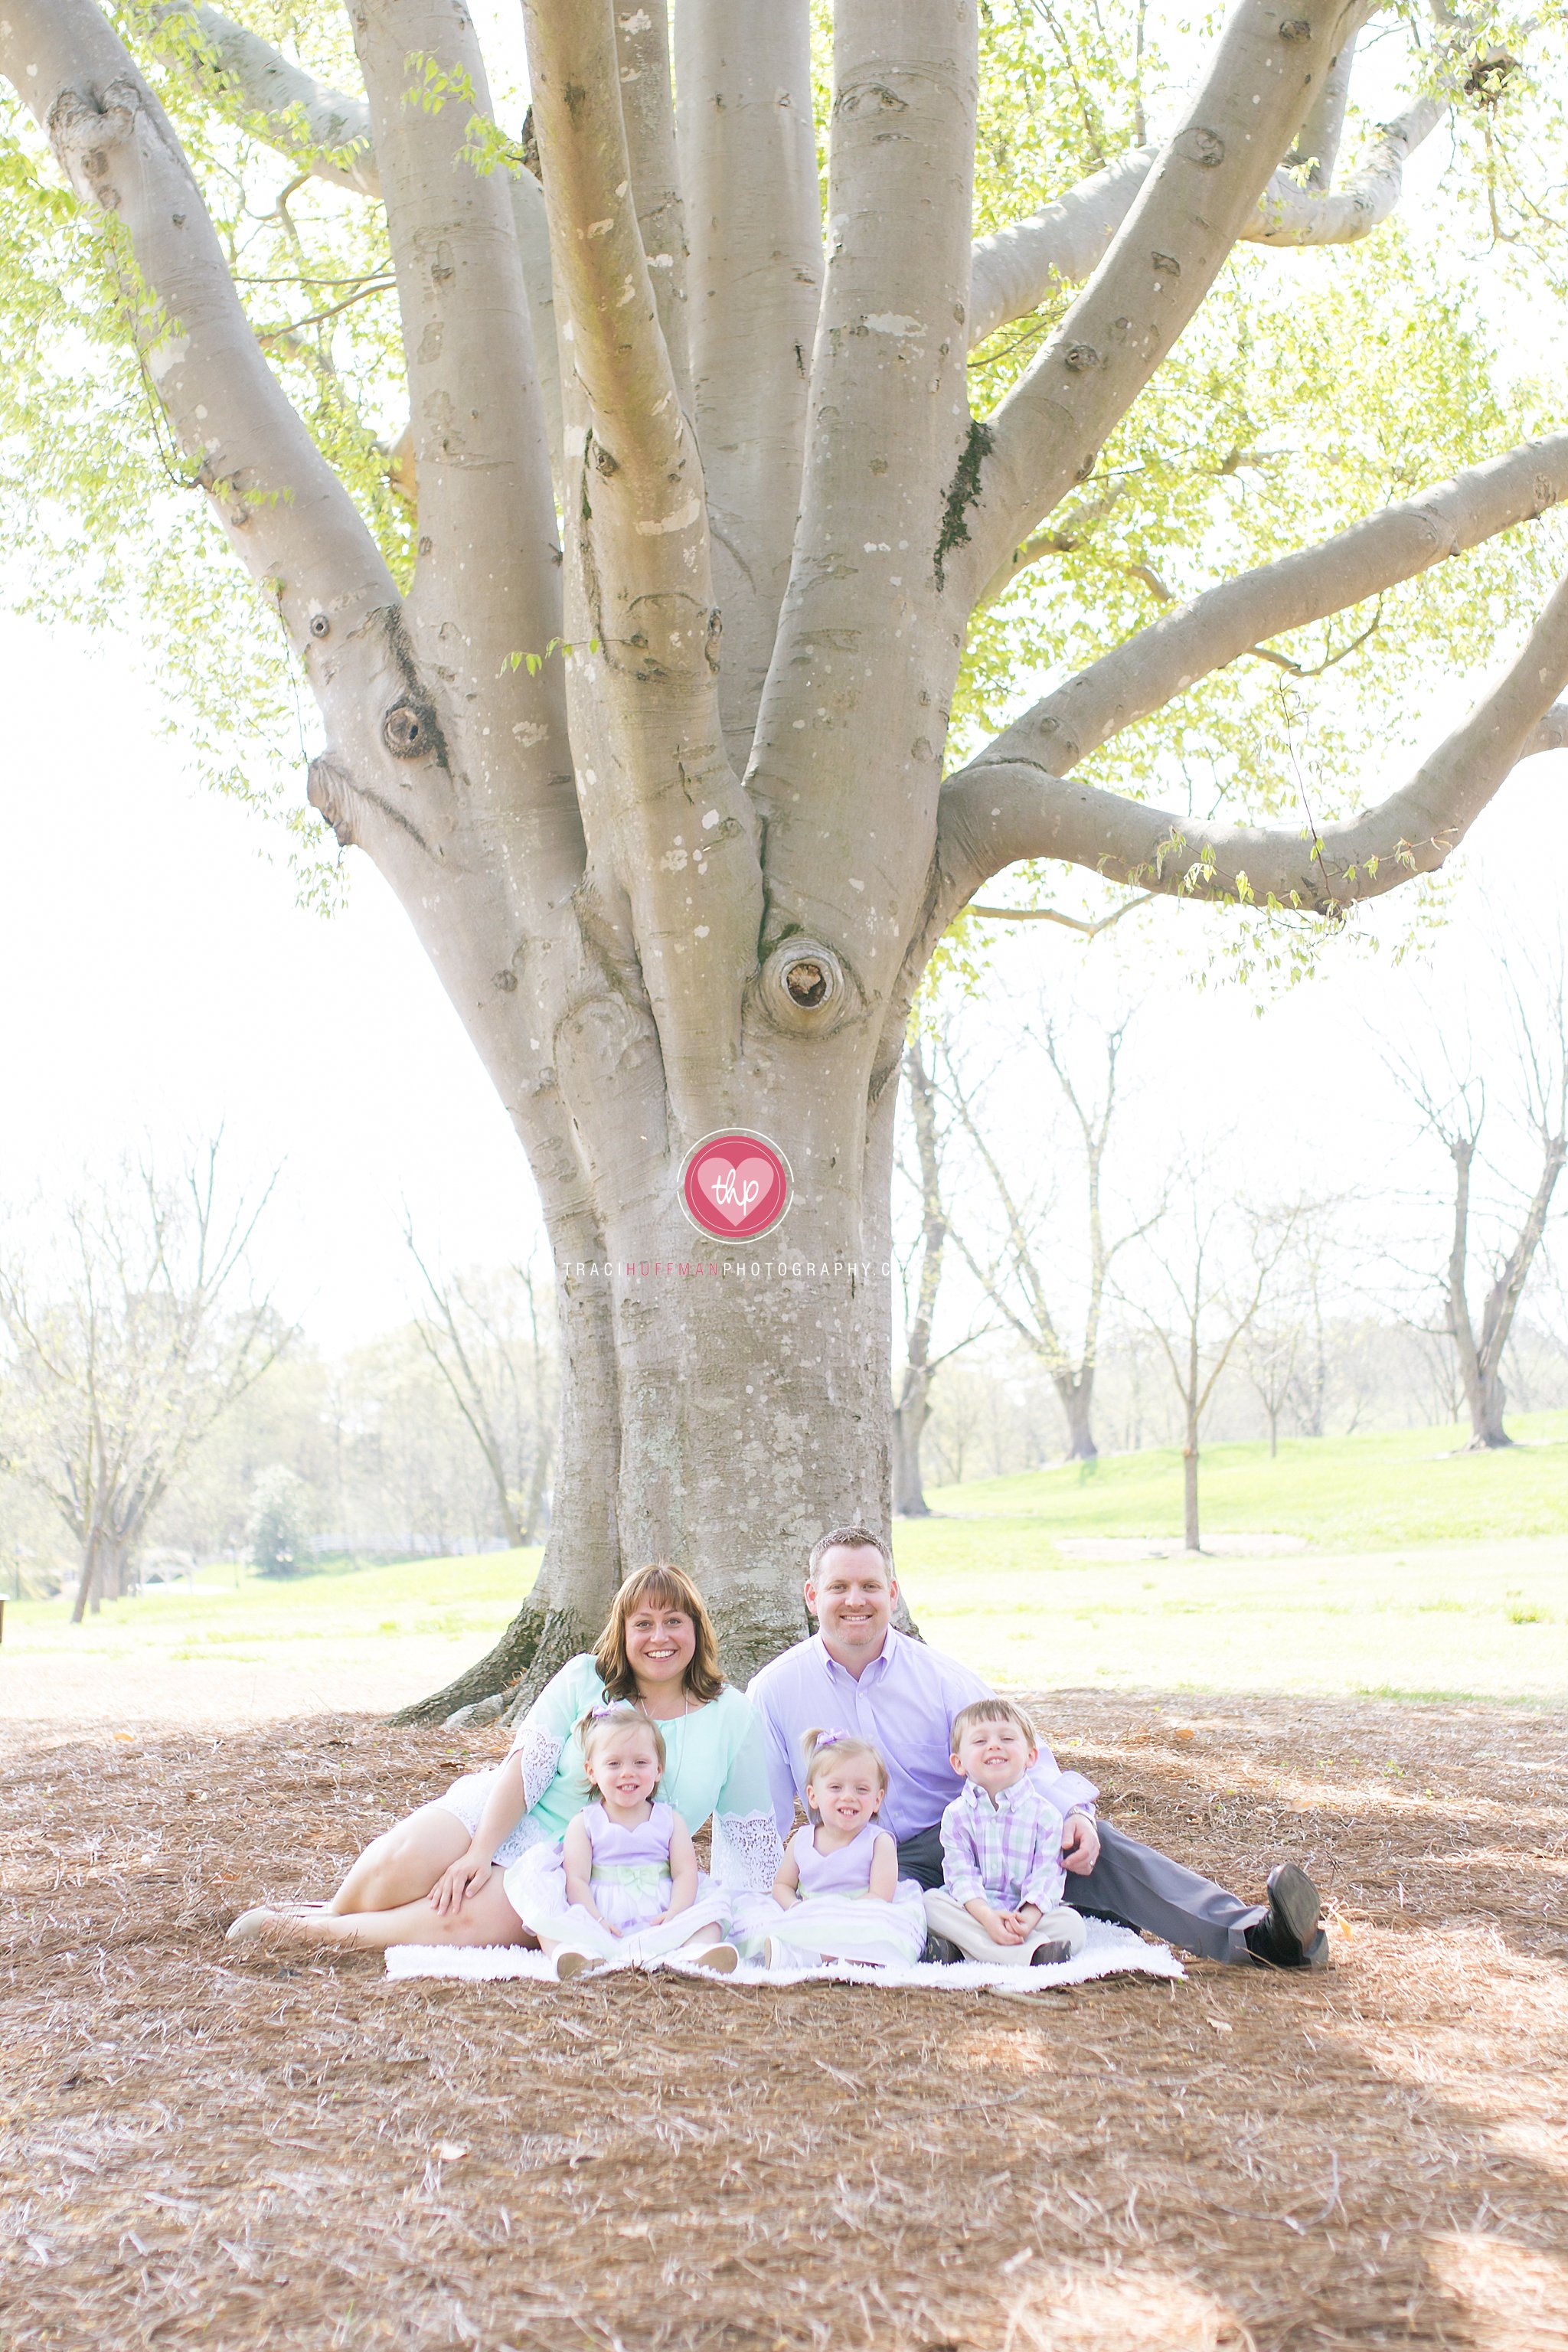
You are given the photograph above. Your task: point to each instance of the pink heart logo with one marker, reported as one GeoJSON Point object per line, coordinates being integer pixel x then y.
{"type": "Point", "coordinates": [735, 1188]}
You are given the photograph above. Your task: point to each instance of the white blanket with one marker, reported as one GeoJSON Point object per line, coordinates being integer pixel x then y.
{"type": "Point", "coordinates": [1109, 1952]}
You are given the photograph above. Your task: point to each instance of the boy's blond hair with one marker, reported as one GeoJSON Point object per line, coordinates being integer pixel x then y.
{"type": "Point", "coordinates": [990, 1710]}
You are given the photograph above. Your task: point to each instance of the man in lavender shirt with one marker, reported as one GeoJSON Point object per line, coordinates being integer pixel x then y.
{"type": "Point", "coordinates": [859, 1672]}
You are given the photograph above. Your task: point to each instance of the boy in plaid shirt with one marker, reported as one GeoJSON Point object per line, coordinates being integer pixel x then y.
{"type": "Point", "coordinates": [1001, 1898]}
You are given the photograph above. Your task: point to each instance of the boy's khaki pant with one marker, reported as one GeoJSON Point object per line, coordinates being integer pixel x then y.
{"type": "Point", "coordinates": [946, 1917]}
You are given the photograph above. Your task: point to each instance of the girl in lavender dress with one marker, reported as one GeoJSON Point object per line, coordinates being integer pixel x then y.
{"type": "Point", "coordinates": [838, 1896]}
{"type": "Point", "coordinates": [624, 1882]}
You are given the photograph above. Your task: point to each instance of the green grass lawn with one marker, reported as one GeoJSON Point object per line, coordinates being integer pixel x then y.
{"type": "Point", "coordinates": [1466, 1619]}
{"type": "Point", "coordinates": [234, 1613]}
{"type": "Point", "coordinates": [1428, 1572]}
{"type": "Point", "coordinates": [1364, 1493]}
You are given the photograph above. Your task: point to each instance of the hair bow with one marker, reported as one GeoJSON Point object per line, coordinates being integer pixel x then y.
{"type": "Point", "coordinates": [612, 1706]}
{"type": "Point", "coordinates": [828, 1739]}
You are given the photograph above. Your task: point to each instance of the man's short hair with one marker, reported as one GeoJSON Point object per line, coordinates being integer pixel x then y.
{"type": "Point", "coordinates": [990, 1710]}
{"type": "Point", "coordinates": [852, 1539]}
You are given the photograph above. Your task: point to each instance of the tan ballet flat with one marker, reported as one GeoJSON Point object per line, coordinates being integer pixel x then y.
{"type": "Point", "coordinates": [254, 1926]}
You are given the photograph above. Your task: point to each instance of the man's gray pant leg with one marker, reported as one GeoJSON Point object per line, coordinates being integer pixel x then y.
{"type": "Point", "coordinates": [1139, 1887]}
{"type": "Point", "coordinates": [919, 1857]}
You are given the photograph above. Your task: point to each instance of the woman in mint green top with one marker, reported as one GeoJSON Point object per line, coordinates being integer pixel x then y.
{"type": "Point", "coordinates": [437, 1877]}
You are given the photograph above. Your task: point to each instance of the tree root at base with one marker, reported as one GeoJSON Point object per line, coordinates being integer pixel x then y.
{"type": "Point", "coordinates": [492, 1675]}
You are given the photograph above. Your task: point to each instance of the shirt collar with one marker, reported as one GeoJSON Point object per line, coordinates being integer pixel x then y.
{"type": "Point", "coordinates": [981, 1800]}
{"type": "Point", "coordinates": [883, 1657]}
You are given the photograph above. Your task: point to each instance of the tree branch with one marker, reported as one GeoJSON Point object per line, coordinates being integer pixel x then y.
{"type": "Point", "coordinates": [1069, 922]}
{"type": "Point", "coordinates": [1188, 216]}
{"type": "Point", "coordinates": [637, 505]}
{"type": "Point", "coordinates": [889, 433]}
{"type": "Point", "coordinates": [1016, 269]}
{"type": "Point", "coordinates": [644, 459]}
{"type": "Point", "coordinates": [748, 162]}
{"type": "Point", "coordinates": [1317, 143]}
{"type": "Point", "coordinates": [328, 135]}
{"type": "Point", "coordinates": [1291, 214]}
{"type": "Point", "coordinates": [320, 129]}
{"type": "Point", "coordinates": [1033, 814]}
{"type": "Point", "coordinates": [1152, 668]}
{"type": "Point", "coordinates": [287, 515]}
{"type": "Point", "coordinates": [647, 110]}
{"type": "Point", "coordinates": [486, 511]}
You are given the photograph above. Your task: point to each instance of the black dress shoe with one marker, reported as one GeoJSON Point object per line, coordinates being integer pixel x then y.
{"type": "Point", "coordinates": [937, 1948]}
{"type": "Point", "coordinates": [1289, 1936]}
{"type": "Point", "coordinates": [1052, 1955]}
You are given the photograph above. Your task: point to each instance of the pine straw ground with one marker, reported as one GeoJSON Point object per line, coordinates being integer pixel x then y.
{"type": "Point", "coordinates": [204, 2148]}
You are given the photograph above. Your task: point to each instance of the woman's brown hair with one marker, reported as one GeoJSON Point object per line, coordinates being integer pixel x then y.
{"type": "Point", "coordinates": [666, 1588]}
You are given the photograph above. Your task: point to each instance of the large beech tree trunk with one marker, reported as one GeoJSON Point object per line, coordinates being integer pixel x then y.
{"type": "Point", "coordinates": [651, 745]}
{"type": "Point", "coordinates": [722, 1404]}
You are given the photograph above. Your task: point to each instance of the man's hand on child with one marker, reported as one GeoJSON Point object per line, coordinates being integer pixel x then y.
{"type": "Point", "coordinates": [1080, 1844]}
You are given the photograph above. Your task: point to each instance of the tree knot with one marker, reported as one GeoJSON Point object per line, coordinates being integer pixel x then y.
{"type": "Point", "coordinates": [803, 986]}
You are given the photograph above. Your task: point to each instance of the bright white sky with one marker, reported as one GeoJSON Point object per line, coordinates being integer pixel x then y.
{"type": "Point", "coordinates": [159, 980]}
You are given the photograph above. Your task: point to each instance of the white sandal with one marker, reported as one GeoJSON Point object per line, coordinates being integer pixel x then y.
{"type": "Point", "coordinates": [718, 1960]}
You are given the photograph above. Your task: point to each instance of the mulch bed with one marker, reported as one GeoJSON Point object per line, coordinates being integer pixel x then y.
{"type": "Point", "coordinates": [200, 2147]}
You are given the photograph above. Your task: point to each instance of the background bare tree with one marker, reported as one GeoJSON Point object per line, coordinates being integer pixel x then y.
{"type": "Point", "coordinates": [1452, 1106]}
{"type": "Point", "coordinates": [485, 1336]}
{"type": "Point", "coordinates": [1268, 1351]}
{"type": "Point", "coordinates": [634, 658]}
{"type": "Point", "coordinates": [920, 1271]}
{"type": "Point", "coordinates": [124, 1355]}
{"type": "Point", "coordinates": [1295, 1350]}
{"type": "Point", "coordinates": [1204, 1298]}
{"type": "Point", "coordinates": [922, 1282]}
{"type": "Point", "coordinates": [1013, 1276]}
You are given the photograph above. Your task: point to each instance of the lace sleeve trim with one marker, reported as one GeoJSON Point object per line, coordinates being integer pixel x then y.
{"type": "Point", "coordinates": [747, 1850]}
{"type": "Point", "coordinates": [539, 1754]}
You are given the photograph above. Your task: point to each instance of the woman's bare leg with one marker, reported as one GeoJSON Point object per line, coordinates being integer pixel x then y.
{"type": "Point", "coordinates": [402, 1865]}
{"type": "Point", "coordinates": [483, 1917]}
